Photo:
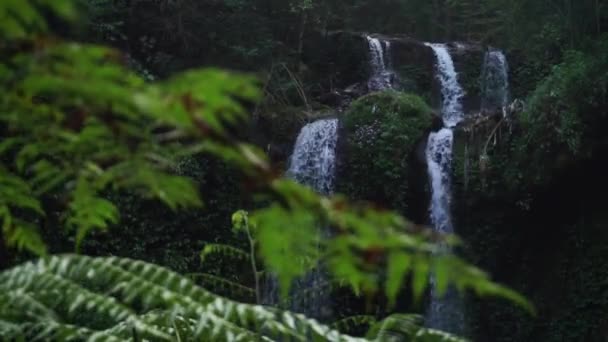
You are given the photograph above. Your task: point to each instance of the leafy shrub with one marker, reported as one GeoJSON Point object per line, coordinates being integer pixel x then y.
{"type": "Point", "coordinates": [563, 119]}
{"type": "Point", "coordinates": [379, 138]}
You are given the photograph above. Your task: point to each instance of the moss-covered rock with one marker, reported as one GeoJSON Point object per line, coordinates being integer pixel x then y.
{"type": "Point", "coordinates": [414, 62]}
{"type": "Point", "coordinates": [468, 61]}
{"type": "Point", "coordinates": [379, 137]}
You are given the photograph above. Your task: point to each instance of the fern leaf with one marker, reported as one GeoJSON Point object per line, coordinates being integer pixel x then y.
{"type": "Point", "coordinates": [11, 331]}
{"type": "Point", "coordinates": [110, 298]}
{"type": "Point", "coordinates": [401, 327]}
{"type": "Point", "coordinates": [349, 323]}
{"type": "Point", "coordinates": [88, 211]}
{"type": "Point", "coordinates": [395, 328]}
{"type": "Point", "coordinates": [223, 250]}
{"type": "Point", "coordinates": [47, 177]}
{"type": "Point", "coordinates": [17, 195]}
{"type": "Point", "coordinates": [23, 235]}
{"type": "Point", "coordinates": [224, 286]}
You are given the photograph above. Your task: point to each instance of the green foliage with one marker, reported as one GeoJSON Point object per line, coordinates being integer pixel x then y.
{"type": "Point", "coordinates": [384, 127]}
{"type": "Point", "coordinates": [533, 193]}
{"type": "Point", "coordinates": [16, 196]}
{"type": "Point", "coordinates": [23, 18]}
{"type": "Point", "coordinates": [221, 284]}
{"type": "Point", "coordinates": [366, 241]}
{"type": "Point", "coordinates": [562, 120]}
{"type": "Point", "coordinates": [106, 19]}
{"type": "Point", "coordinates": [225, 287]}
{"type": "Point", "coordinates": [77, 297]}
{"type": "Point", "coordinates": [350, 323]}
{"type": "Point", "coordinates": [78, 123]}
{"type": "Point", "coordinates": [223, 250]}
{"type": "Point", "coordinates": [407, 328]}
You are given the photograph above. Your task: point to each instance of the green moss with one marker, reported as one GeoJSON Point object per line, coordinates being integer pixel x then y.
{"type": "Point", "coordinates": [380, 134]}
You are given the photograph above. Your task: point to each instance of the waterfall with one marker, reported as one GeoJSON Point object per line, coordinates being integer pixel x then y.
{"type": "Point", "coordinates": [444, 313]}
{"type": "Point", "coordinates": [495, 81]}
{"type": "Point", "coordinates": [312, 163]}
{"type": "Point", "coordinates": [451, 91]}
{"type": "Point", "coordinates": [439, 160]}
{"type": "Point", "coordinates": [381, 75]}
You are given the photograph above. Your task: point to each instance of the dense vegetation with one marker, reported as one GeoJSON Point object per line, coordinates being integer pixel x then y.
{"type": "Point", "coordinates": [386, 128]}
{"type": "Point", "coordinates": [117, 145]}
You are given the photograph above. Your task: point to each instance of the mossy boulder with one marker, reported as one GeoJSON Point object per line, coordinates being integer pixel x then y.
{"type": "Point", "coordinates": [379, 137]}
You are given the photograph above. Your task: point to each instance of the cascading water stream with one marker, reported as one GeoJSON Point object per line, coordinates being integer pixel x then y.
{"type": "Point", "coordinates": [381, 75]}
{"type": "Point", "coordinates": [495, 81]}
{"type": "Point", "coordinates": [313, 160]}
{"type": "Point", "coordinates": [451, 91]}
{"type": "Point", "coordinates": [312, 163]}
{"type": "Point", "coordinates": [444, 313]}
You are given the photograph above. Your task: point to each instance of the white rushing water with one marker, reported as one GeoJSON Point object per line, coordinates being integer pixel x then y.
{"type": "Point", "coordinates": [495, 81]}
{"type": "Point", "coordinates": [451, 91]}
{"type": "Point", "coordinates": [381, 75]}
{"type": "Point", "coordinates": [312, 163]}
{"type": "Point", "coordinates": [314, 157]}
{"type": "Point", "coordinates": [444, 313]}
{"type": "Point", "coordinates": [439, 160]}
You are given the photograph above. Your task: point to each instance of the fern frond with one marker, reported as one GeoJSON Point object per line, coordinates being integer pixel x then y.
{"type": "Point", "coordinates": [88, 211]}
{"type": "Point", "coordinates": [223, 285]}
{"type": "Point", "coordinates": [22, 235]}
{"type": "Point", "coordinates": [395, 328]}
{"type": "Point", "coordinates": [402, 327]}
{"type": "Point", "coordinates": [223, 250]}
{"type": "Point", "coordinates": [349, 323]}
{"type": "Point", "coordinates": [11, 331]}
{"type": "Point", "coordinates": [431, 335]}
{"type": "Point", "coordinates": [111, 298]}
{"type": "Point", "coordinates": [47, 331]}
{"type": "Point", "coordinates": [16, 196]}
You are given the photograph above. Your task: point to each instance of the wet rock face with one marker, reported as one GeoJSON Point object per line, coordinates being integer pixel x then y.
{"type": "Point", "coordinates": [468, 60]}
{"type": "Point", "coordinates": [339, 62]}
{"type": "Point", "coordinates": [414, 64]}
{"type": "Point", "coordinates": [336, 59]}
